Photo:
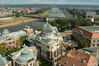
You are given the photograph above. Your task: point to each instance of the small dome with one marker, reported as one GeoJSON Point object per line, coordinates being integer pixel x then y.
{"type": "Point", "coordinates": [28, 27]}
{"type": "Point", "coordinates": [5, 32]}
{"type": "Point", "coordinates": [25, 58]}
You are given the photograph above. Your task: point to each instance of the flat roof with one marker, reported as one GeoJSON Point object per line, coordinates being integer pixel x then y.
{"type": "Point", "coordinates": [92, 29]}
{"type": "Point", "coordinates": [13, 35]}
{"type": "Point", "coordinates": [47, 40]}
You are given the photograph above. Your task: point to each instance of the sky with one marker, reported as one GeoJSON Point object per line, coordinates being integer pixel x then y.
{"type": "Point", "coordinates": [95, 2]}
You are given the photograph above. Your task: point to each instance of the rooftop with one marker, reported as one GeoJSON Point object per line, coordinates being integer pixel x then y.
{"type": "Point", "coordinates": [25, 54]}
{"type": "Point", "coordinates": [77, 58]}
{"type": "Point", "coordinates": [92, 29]}
{"type": "Point", "coordinates": [3, 61]}
{"type": "Point", "coordinates": [46, 40]}
{"type": "Point", "coordinates": [12, 35]}
{"type": "Point", "coordinates": [78, 55]}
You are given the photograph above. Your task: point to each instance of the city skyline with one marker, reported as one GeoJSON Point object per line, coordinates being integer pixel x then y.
{"type": "Point", "coordinates": [91, 2]}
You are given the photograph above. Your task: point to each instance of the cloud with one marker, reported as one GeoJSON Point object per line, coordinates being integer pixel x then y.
{"type": "Point", "coordinates": [49, 2]}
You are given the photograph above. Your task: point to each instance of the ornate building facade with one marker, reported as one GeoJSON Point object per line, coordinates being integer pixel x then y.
{"type": "Point", "coordinates": [50, 44]}
{"type": "Point", "coordinates": [88, 33]}
{"type": "Point", "coordinates": [27, 56]}
{"type": "Point", "coordinates": [11, 39]}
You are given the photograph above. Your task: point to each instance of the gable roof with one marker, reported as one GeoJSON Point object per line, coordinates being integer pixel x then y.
{"type": "Point", "coordinates": [77, 58]}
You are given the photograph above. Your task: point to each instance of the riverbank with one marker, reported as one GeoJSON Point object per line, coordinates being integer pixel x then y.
{"type": "Point", "coordinates": [16, 22]}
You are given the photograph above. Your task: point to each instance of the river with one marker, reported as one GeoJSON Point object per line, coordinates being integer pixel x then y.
{"type": "Point", "coordinates": [34, 25]}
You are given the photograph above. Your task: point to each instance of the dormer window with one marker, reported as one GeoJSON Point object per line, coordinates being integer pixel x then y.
{"type": "Point", "coordinates": [9, 38]}
{"type": "Point", "coordinates": [59, 64]}
{"type": "Point", "coordinates": [73, 64]}
{"type": "Point", "coordinates": [81, 32]}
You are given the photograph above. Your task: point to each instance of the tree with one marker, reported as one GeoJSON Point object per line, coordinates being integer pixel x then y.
{"type": "Point", "coordinates": [13, 50]}
{"type": "Point", "coordinates": [87, 23]}
{"type": "Point", "coordinates": [21, 41]}
{"type": "Point", "coordinates": [3, 49]}
{"type": "Point", "coordinates": [82, 44]}
{"type": "Point", "coordinates": [17, 14]}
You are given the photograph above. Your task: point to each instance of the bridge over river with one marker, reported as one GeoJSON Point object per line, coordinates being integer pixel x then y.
{"type": "Point", "coordinates": [56, 13]}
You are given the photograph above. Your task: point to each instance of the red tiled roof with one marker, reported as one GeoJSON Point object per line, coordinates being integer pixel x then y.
{"type": "Point", "coordinates": [78, 55]}
{"type": "Point", "coordinates": [77, 58]}
{"type": "Point", "coordinates": [70, 61]}
{"type": "Point", "coordinates": [88, 34]}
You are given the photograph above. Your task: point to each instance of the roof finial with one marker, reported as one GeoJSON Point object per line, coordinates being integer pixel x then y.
{"type": "Point", "coordinates": [24, 46]}
{"type": "Point", "coordinates": [47, 20]}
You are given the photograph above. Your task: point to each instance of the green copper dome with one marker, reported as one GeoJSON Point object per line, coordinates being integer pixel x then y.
{"type": "Point", "coordinates": [25, 56]}
{"type": "Point", "coordinates": [47, 29]}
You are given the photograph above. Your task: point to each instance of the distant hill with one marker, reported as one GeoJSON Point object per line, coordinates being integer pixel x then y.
{"type": "Point", "coordinates": [50, 5]}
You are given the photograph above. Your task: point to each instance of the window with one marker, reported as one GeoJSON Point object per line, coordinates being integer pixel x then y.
{"type": "Point", "coordinates": [97, 40]}
{"type": "Point", "coordinates": [59, 64]}
{"type": "Point", "coordinates": [55, 54]}
{"type": "Point", "coordinates": [93, 45]}
{"type": "Point", "coordinates": [31, 64]}
{"type": "Point", "coordinates": [47, 46]}
{"type": "Point", "coordinates": [48, 54]}
{"type": "Point", "coordinates": [93, 40]}
{"type": "Point", "coordinates": [97, 44]}
{"type": "Point", "coordinates": [91, 64]}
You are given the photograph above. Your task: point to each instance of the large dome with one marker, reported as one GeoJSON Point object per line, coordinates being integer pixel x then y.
{"type": "Point", "coordinates": [25, 56]}
{"type": "Point", "coordinates": [47, 29]}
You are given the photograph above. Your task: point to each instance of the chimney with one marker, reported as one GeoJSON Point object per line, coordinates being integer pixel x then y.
{"type": "Point", "coordinates": [66, 62]}
{"type": "Point", "coordinates": [73, 64]}
{"type": "Point", "coordinates": [84, 61]}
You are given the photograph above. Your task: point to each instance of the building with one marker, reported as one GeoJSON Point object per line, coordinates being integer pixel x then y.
{"type": "Point", "coordinates": [50, 44]}
{"type": "Point", "coordinates": [4, 61]}
{"type": "Point", "coordinates": [77, 58]}
{"type": "Point", "coordinates": [11, 39]}
{"type": "Point", "coordinates": [27, 56]}
{"type": "Point", "coordinates": [29, 31]}
{"type": "Point", "coordinates": [88, 33]}
{"type": "Point", "coordinates": [91, 50]}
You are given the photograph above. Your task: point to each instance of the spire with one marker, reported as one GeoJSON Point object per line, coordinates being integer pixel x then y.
{"type": "Point", "coordinates": [47, 20]}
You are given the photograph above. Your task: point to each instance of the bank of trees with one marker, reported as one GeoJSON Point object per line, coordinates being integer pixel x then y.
{"type": "Point", "coordinates": [82, 44]}
{"type": "Point", "coordinates": [65, 24]}
{"type": "Point", "coordinates": [39, 11]}
{"type": "Point", "coordinates": [21, 41]}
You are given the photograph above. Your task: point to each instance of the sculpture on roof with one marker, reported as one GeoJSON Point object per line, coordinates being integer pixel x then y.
{"type": "Point", "coordinates": [27, 27]}
{"type": "Point", "coordinates": [47, 29]}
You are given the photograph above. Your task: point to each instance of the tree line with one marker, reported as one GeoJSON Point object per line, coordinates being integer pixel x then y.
{"type": "Point", "coordinates": [65, 24]}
